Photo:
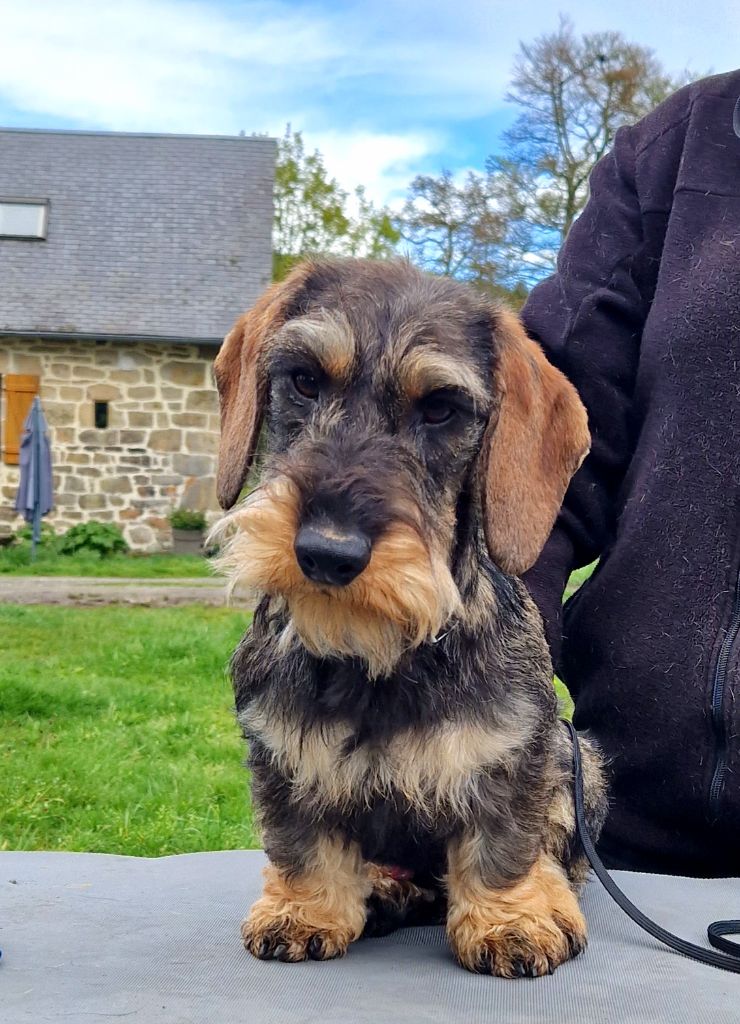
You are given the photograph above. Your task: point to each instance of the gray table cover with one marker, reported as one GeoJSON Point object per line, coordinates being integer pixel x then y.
{"type": "Point", "coordinates": [90, 937]}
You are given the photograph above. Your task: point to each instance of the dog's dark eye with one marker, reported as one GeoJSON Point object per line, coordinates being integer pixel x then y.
{"type": "Point", "coordinates": [436, 409]}
{"type": "Point", "coordinates": [306, 384]}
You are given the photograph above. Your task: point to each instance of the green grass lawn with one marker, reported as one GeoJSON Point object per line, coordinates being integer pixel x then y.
{"type": "Point", "coordinates": [16, 561]}
{"type": "Point", "coordinates": [578, 578]}
{"type": "Point", "coordinates": [116, 731]}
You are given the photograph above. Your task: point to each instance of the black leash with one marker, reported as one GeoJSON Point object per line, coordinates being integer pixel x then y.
{"type": "Point", "coordinates": [729, 960]}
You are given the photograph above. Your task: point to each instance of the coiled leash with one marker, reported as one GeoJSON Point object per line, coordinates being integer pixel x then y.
{"type": "Point", "coordinates": [728, 960]}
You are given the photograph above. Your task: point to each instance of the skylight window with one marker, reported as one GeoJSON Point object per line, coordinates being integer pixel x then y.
{"type": "Point", "coordinates": [23, 218]}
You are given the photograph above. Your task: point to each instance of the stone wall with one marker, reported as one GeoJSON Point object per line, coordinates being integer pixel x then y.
{"type": "Point", "coordinates": [158, 451]}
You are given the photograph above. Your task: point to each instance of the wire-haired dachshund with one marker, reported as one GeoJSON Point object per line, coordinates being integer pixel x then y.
{"type": "Point", "coordinates": [395, 687]}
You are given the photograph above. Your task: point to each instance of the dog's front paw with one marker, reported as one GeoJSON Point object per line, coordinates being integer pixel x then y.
{"type": "Point", "coordinates": [524, 930]}
{"type": "Point", "coordinates": [291, 940]}
{"type": "Point", "coordinates": [527, 947]}
{"type": "Point", "coordinates": [309, 916]}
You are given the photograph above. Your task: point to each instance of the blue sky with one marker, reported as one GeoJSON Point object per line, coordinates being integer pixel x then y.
{"type": "Point", "coordinates": [385, 90]}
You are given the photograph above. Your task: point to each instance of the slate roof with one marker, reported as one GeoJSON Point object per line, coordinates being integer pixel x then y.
{"type": "Point", "coordinates": [164, 236]}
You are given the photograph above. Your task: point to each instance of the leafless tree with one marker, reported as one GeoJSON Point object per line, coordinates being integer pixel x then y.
{"type": "Point", "coordinates": [573, 93]}
{"type": "Point", "coordinates": [502, 229]}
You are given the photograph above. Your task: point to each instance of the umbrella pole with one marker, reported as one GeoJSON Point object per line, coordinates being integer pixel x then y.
{"type": "Point", "coordinates": [36, 531]}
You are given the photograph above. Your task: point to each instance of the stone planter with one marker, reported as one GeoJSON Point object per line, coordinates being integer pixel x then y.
{"type": "Point", "coordinates": [187, 542]}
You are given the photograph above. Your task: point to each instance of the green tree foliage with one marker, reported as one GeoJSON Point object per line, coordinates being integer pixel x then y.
{"type": "Point", "coordinates": [315, 216]}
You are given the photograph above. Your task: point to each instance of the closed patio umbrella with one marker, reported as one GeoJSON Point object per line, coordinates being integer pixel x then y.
{"type": "Point", "coordinates": [35, 496]}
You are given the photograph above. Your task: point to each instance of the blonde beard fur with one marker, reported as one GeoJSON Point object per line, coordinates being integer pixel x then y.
{"type": "Point", "coordinates": [404, 596]}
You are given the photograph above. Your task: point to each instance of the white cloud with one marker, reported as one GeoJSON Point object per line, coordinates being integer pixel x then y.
{"type": "Point", "coordinates": [382, 162]}
{"type": "Point", "coordinates": [161, 65]}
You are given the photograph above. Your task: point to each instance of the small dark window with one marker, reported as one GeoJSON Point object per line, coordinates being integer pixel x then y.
{"type": "Point", "coordinates": [101, 415]}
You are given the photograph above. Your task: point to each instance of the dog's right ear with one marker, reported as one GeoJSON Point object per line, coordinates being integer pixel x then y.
{"type": "Point", "coordinates": [531, 448]}
{"type": "Point", "coordinates": [241, 380]}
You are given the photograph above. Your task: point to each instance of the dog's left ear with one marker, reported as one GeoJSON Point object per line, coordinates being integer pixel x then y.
{"type": "Point", "coordinates": [242, 384]}
{"type": "Point", "coordinates": [530, 450]}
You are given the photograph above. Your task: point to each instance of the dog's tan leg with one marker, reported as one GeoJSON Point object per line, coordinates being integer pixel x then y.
{"type": "Point", "coordinates": [527, 928]}
{"type": "Point", "coordinates": [313, 913]}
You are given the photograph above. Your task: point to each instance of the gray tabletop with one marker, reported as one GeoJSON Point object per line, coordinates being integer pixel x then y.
{"type": "Point", "coordinates": [89, 937]}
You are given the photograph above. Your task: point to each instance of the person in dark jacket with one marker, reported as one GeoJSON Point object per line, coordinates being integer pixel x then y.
{"type": "Point", "coordinates": [643, 315]}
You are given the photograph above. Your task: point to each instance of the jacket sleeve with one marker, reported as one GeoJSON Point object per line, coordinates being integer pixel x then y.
{"type": "Point", "coordinates": [588, 317]}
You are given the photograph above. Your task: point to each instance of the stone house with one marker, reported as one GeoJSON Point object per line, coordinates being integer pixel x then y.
{"type": "Point", "coordinates": [124, 259]}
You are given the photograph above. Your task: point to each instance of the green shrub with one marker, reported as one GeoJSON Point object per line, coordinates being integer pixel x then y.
{"type": "Point", "coordinates": [187, 519]}
{"type": "Point", "coordinates": [24, 534]}
{"type": "Point", "coordinates": [101, 538]}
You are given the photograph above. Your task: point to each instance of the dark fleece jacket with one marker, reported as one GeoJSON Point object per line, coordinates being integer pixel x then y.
{"type": "Point", "coordinates": [643, 315]}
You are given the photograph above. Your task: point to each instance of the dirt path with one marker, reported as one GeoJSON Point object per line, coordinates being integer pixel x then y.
{"type": "Point", "coordinates": [90, 591]}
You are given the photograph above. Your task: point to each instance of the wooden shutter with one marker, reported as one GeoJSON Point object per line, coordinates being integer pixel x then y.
{"type": "Point", "coordinates": [19, 390]}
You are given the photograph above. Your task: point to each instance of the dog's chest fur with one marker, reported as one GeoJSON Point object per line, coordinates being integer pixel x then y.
{"type": "Point", "coordinates": [434, 769]}
{"type": "Point", "coordinates": [396, 763]}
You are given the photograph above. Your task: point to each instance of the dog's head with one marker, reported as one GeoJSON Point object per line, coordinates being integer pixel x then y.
{"type": "Point", "coordinates": [401, 412]}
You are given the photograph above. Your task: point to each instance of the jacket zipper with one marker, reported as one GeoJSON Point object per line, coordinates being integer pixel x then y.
{"type": "Point", "coordinates": [719, 725]}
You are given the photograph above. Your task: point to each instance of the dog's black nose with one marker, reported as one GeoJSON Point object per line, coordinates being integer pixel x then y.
{"type": "Point", "coordinates": [331, 558]}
